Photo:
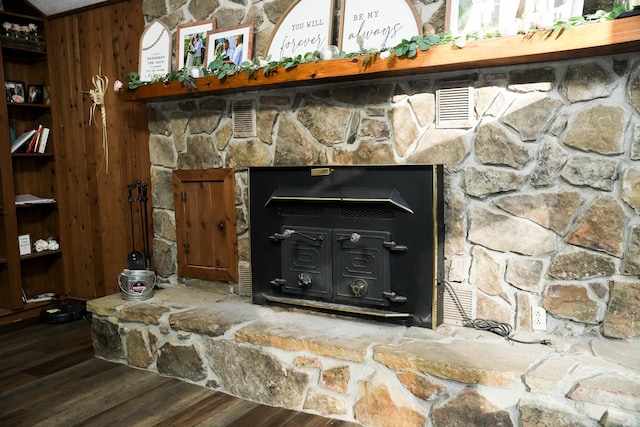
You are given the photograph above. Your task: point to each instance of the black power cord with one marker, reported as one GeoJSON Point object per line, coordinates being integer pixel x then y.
{"type": "Point", "coordinates": [499, 328]}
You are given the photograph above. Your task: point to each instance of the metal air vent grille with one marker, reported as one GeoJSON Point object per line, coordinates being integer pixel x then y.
{"type": "Point", "coordinates": [468, 297]}
{"type": "Point", "coordinates": [244, 281]}
{"type": "Point", "coordinates": [244, 119]}
{"type": "Point", "coordinates": [454, 105]}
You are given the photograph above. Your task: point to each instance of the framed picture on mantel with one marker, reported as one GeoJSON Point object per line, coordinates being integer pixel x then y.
{"type": "Point", "coordinates": [506, 17]}
{"type": "Point", "coordinates": [191, 44]}
{"type": "Point", "coordinates": [234, 43]}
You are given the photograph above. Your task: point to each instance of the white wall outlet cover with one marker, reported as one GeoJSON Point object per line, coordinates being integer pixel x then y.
{"type": "Point", "coordinates": [538, 319]}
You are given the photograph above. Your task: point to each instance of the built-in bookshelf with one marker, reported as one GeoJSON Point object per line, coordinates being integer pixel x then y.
{"type": "Point", "coordinates": [30, 248]}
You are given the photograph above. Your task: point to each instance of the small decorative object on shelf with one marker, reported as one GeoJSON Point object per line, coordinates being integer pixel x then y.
{"type": "Point", "coordinates": [25, 32]}
{"type": "Point", "coordinates": [42, 245]}
{"type": "Point", "coordinates": [15, 91]}
{"type": "Point", "coordinates": [35, 94]}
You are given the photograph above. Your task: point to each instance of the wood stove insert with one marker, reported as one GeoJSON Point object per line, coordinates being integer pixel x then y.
{"type": "Point", "coordinates": [358, 240]}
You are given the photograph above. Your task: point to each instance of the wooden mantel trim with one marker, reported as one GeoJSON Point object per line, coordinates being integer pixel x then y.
{"type": "Point", "coordinates": [605, 38]}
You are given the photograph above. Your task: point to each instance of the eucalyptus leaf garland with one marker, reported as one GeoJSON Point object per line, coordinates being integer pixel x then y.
{"type": "Point", "coordinates": [405, 49]}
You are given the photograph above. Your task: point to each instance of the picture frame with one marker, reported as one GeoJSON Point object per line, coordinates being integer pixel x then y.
{"type": "Point", "coordinates": [191, 42]}
{"type": "Point", "coordinates": [155, 52]}
{"type": "Point", "coordinates": [24, 243]}
{"type": "Point", "coordinates": [35, 94]}
{"type": "Point", "coordinates": [488, 16]}
{"type": "Point", "coordinates": [379, 23]}
{"type": "Point", "coordinates": [15, 91]}
{"type": "Point", "coordinates": [306, 26]}
{"type": "Point", "coordinates": [216, 43]}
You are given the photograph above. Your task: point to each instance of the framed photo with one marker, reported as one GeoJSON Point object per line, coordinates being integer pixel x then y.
{"type": "Point", "coordinates": [35, 94]}
{"type": "Point", "coordinates": [191, 43]}
{"type": "Point", "coordinates": [236, 43]}
{"type": "Point", "coordinates": [15, 91]}
{"type": "Point", "coordinates": [487, 16]}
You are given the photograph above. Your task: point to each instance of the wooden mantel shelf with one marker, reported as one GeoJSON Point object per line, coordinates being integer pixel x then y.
{"type": "Point", "coordinates": [605, 38]}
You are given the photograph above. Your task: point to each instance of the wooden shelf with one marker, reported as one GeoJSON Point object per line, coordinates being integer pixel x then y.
{"type": "Point", "coordinates": [605, 38]}
{"type": "Point", "coordinates": [40, 254]}
{"type": "Point", "coordinates": [48, 156]}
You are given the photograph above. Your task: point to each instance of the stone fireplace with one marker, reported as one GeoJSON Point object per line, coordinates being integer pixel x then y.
{"type": "Point", "coordinates": [540, 211]}
{"type": "Point", "coordinates": [541, 208]}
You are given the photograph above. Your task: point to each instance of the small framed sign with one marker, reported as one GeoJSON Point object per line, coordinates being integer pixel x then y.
{"type": "Point", "coordinates": [378, 23]}
{"type": "Point", "coordinates": [155, 51]}
{"type": "Point", "coordinates": [24, 242]}
{"type": "Point", "coordinates": [306, 26]}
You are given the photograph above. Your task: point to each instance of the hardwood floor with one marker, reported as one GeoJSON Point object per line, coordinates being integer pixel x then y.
{"type": "Point", "coordinates": [49, 377]}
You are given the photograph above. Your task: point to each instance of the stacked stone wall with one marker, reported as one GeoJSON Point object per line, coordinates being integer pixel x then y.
{"type": "Point", "coordinates": [542, 193]}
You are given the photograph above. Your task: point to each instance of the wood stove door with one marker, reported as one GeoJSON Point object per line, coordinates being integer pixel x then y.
{"type": "Point", "coordinates": [361, 267]}
{"type": "Point", "coordinates": [306, 261]}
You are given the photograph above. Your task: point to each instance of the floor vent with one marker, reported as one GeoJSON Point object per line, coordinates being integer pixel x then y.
{"type": "Point", "coordinates": [244, 119]}
{"type": "Point", "coordinates": [468, 297]}
{"type": "Point", "coordinates": [244, 281]}
{"type": "Point", "coordinates": [454, 105]}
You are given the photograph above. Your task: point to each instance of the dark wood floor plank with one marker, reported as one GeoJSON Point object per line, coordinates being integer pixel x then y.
{"type": "Point", "coordinates": [20, 418]}
{"type": "Point", "coordinates": [40, 389]}
{"type": "Point", "coordinates": [217, 410]}
{"type": "Point", "coordinates": [227, 415]}
{"type": "Point", "coordinates": [264, 416]}
{"type": "Point", "coordinates": [76, 404]}
{"type": "Point", "coordinates": [156, 403]}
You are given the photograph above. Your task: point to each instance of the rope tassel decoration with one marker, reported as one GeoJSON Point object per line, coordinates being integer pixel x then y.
{"type": "Point", "coordinates": [97, 94]}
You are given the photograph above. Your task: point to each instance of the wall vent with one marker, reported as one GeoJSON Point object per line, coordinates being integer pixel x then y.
{"type": "Point", "coordinates": [244, 280]}
{"type": "Point", "coordinates": [454, 105]}
{"type": "Point", "coordinates": [244, 119]}
{"type": "Point", "coordinates": [468, 297]}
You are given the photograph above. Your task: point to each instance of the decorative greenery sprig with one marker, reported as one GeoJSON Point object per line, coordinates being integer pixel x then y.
{"type": "Point", "coordinates": [406, 48]}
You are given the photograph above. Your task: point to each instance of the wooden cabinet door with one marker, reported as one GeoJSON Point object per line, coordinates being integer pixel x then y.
{"type": "Point", "coordinates": [206, 224]}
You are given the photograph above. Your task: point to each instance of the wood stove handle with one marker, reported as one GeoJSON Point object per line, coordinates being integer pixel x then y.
{"type": "Point", "coordinates": [393, 246]}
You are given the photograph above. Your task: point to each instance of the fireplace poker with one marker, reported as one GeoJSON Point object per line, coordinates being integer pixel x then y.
{"type": "Point", "coordinates": [145, 226]}
{"type": "Point", "coordinates": [134, 259]}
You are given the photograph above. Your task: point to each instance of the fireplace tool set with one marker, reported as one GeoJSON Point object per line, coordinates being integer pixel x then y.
{"type": "Point", "coordinates": [137, 281]}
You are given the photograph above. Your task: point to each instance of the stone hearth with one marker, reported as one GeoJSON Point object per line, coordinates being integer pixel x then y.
{"type": "Point", "coordinates": [373, 373]}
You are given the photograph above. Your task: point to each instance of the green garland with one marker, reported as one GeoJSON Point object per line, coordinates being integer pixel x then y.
{"type": "Point", "coordinates": [406, 48]}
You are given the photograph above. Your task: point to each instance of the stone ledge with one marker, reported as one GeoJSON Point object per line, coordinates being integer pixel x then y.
{"type": "Point", "coordinates": [372, 373]}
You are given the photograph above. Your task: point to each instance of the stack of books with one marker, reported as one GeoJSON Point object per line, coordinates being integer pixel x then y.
{"type": "Point", "coordinates": [31, 141]}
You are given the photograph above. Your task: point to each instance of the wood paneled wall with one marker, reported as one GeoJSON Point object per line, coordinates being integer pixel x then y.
{"type": "Point", "coordinates": [93, 204]}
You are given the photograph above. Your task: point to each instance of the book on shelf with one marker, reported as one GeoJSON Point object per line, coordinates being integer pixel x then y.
{"type": "Point", "coordinates": [32, 141]}
{"type": "Point", "coordinates": [30, 199]}
{"type": "Point", "coordinates": [24, 138]}
{"type": "Point", "coordinates": [33, 144]}
{"type": "Point", "coordinates": [44, 137]}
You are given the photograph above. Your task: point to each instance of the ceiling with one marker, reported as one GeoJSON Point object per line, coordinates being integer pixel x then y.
{"type": "Point", "coordinates": [49, 7]}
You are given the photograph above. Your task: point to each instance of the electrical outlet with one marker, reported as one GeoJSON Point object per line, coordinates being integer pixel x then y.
{"type": "Point", "coordinates": [538, 319]}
